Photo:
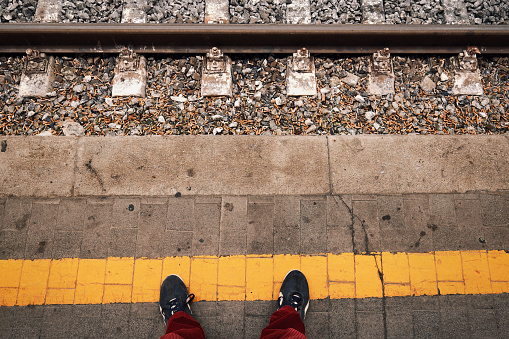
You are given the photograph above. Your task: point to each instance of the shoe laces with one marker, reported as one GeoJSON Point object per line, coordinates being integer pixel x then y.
{"type": "Point", "coordinates": [175, 306]}
{"type": "Point", "coordinates": [294, 301]}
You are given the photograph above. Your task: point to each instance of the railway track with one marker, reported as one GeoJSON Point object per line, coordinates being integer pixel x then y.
{"type": "Point", "coordinates": [249, 39]}
{"type": "Point", "coordinates": [294, 76]}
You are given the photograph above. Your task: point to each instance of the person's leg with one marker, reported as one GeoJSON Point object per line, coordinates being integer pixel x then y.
{"type": "Point", "coordinates": [287, 321]}
{"type": "Point", "coordinates": [174, 306]}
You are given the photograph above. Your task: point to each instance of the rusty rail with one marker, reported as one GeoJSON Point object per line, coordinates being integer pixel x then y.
{"type": "Point", "coordinates": [199, 38]}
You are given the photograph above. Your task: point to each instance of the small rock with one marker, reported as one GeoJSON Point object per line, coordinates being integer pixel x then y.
{"type": "Point", "coordinates": [308, 122]}
{"type": "Point", "coordinates": [334, 81]}
{"type": "Point", "coordinates": [161, 119]}
{"type": "Point", "coordinates": [311, 129]}
{"type": "Point", "coordinates": [257, 96]}
{"type": "Point", "coordinates": [350, 79]}
{"type": "Point", "coordinates": [217, 117]}
{"type": "Point", "coordinates": [178, 99]}
{"type": "Point", "coordinates": [233, 124]}
{"type": "Point", "coordinates": [45, 134]}
{"type": "Point", "coordinates": [72, 128]}
{"type": "Point", "coordinates": [443, 77]}
{"type": "Point", "coordinates": [476, 104]}
{"type": "Point", "coordinates": [278, 101]}
{"type": "Point", "coordinates": [87, 78]}
{"type": "Point", "coordinates": [299, 103]}
{"type": "Point", "coordinates": [109, 101]}
{"type": "Point", "coordinates": [359, 98]}
{"type": "Point", "coordinates": [78, 88]}
{"type": "Point", "coordinates": [369, 115]}
{"type": "Point", "coordinates": [427, 84]}
{"type": "Point", "coordinates": [217, 130]}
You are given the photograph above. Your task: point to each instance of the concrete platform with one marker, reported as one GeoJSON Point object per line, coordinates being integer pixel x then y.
{"type": "Point", "coordinates": [400, 237]}
{"type": "Point", "coordinates": [241, 165]}
{"type": "Point", "coordinates": [102, 259]}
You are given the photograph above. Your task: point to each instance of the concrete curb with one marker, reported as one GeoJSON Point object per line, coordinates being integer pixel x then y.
{"type": "Point", "coordinates": [252, 165]}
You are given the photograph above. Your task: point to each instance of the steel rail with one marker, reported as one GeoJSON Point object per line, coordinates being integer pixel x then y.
{"type": "Point", "coordinates": [199, 38]}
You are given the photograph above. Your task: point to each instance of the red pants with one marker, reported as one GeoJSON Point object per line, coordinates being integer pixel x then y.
{"type": "Point", "coordinates": [284, 324]}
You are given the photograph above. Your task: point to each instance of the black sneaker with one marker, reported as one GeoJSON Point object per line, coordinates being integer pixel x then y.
{"type": "Point", "coordinates": [295, 292]}
{"type": "Point", "coordinates": [174, 297]}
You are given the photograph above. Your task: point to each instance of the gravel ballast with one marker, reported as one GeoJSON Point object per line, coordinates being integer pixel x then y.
{"type": "Point", "coordinates": [17, 10]}
{"type": "Point", "coordinates": [334, 12]}
{"type": "Point", "coordinates": [90, 11]}
{"type": "Point", "coordinates": [493, 12]}
{"type": "Point", "coordinates": [480, 12]}
{"type": "Point", "coordinates": [259, 104]}
{"type": "Point", "coordinates": [179, 12]}
{"type": "Point", "coordinates": [257, 12]}
{"type": "Point", "coordinates": [414, 12]}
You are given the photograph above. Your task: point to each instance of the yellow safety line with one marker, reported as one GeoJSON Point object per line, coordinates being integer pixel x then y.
{"type": "Point", "coordinates": [252, 277]}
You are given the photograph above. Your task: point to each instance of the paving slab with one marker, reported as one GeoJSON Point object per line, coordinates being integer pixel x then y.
{"type": "Point", "coordinates": [418, 164]}
{"type": "Point", "coordinates": [114, 226]}
{"type": "Point", "coordinates": [37, 166]}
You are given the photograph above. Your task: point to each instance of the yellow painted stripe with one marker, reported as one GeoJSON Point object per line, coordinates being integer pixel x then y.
{"type": "Point", "coordinates": [252, 277]}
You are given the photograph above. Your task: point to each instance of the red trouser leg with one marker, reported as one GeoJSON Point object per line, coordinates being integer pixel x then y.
{"type": "Point", "coordinates": [182, 326]}
{"type": "Point", "coordinates": [284, 323]}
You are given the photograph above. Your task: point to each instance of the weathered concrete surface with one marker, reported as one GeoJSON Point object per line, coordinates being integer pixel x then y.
{"type": "Point", "coordinates": [134, 12]}
{"type": "Point", "coordinates": [217, 12]}
{"type": "Point", "coordinates": [467, 83]}
{"type": "Point", "coordinates": [217, 84]}
{"type": "Point", "coordinates": [300, 83]}
{"type": "Point", "coordinates": [48, 11]}
{"type": "Point", "coordinates": [130, 83]}
{"type": "Point", "coordinates": [202, 165]}
{"type": "Point", "coordinates": [380, 84]}
{"type": "Point", "coordinates": [38, 84]}
{"type": "Point", "coordinates": [252, 165]}
{"type": "Point", "coordinates": [418, 164]}
{"type": "Point", "coordinates": [373, 11]}
{"type": "Point", "coordinates": [455, 12]}
{"type": "Point", "coordinates": [298, 12]}
{"type": "Point", "coordinates": [37, 166]}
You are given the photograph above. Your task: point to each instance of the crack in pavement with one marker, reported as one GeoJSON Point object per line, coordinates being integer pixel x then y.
{"type": "Point", "coordinates": [353, 216]}
{"type": "Point", "coordinates": [96, 175]}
